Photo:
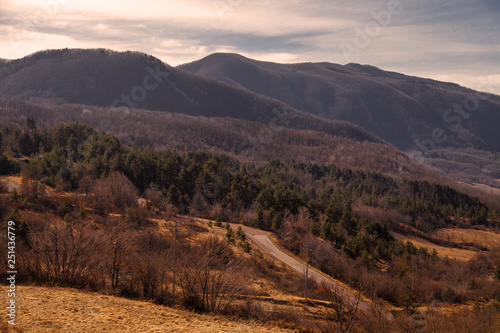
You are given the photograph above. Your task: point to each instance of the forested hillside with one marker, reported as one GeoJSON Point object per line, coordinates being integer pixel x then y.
{"type": "Point", "coordinates": [74, 177]}
{"type": "Point", "coordinates": [447, 127]}
{"type": "Point", "coordinates": [135, 80]}
{"type": "Point", "coordinates": [244, 140]}
{"type": "Point", "coordinates": [401, 109]}
{"type": "Point", "coordinates": [67, 154]}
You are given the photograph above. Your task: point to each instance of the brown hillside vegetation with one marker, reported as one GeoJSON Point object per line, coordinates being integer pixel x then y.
{"type": "Point", "coordinates": [243, 139]}
{"type": "Point", "coordinates": [400, 109]}
{"type": "Point", "coordinates": [487, 239]}
{"type": "Point", "coordinates": [442, 251]}
{"type": "Point", "coordinates": [114, 229]}
{"type": "Point", "coordinates": [52, 309]}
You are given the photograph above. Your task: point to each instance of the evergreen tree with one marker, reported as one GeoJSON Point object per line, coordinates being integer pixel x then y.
{"type": "Point", "coordinates": [30, 123]}
{"type": "Point", "coordinates": [173, 195]}
{"type": "Point", "coordinates": [260, 220]}
{"type": "Point", "coordinates": [240, 234]}
{"type": "Point", "coordinates": [315, 230]}
{"type": "Point", "coordinates": [407, 300]}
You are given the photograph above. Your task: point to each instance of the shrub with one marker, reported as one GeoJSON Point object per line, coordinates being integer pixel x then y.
{"type": "Point", "coordinates": [246, 247]}
{"type": "Point", "coordinates": [240, 234]}
{"type": "Point", "coordinates": [209, 276]}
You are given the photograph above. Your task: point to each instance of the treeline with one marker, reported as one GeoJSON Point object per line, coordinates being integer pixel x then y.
{"type": "Point", "coordinates": [193, 181]}
{"type": "Point", "coordinates": [13, 66]}
{"type": "Point", "coordinates": [245, 140]}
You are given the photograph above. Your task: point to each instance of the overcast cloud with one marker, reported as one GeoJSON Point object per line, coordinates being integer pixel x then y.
{"type": "Point", "coordinates": [450, 40]}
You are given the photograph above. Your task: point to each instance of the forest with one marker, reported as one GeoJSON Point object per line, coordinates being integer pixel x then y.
{"type": "Point", "coordinates": [332, 207]}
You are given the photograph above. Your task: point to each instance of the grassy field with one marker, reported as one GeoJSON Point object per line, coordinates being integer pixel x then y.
{"type": "Point", "coordinates": [453, 253]}
{"type": "Point", "coordinates": [13, 182]}
{"type": "Point", "coordinates": [478, 237]}
{"type": "Point", "coordinates": [460, 236]}
{"type": "Point", "coordinates": [52, 309]}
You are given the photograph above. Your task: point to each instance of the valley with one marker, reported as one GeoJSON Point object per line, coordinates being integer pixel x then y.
{"type": "Point", "coordinates": [204, 201]}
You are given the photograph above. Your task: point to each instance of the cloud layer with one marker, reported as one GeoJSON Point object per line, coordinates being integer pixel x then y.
{"type": "Point", "coordinates": [447, 40]}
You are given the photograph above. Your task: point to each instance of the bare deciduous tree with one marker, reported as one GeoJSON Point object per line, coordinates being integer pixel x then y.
{"type": "Point", "coordinates": [66, 253]}
{"type": "Point", "coordinates": [31, 176]}
{"type": "Point", "coordinates": [118, 247]}
{"type": "Point", "coordinates": [114, 192]}
{"type": "Point", "coordinates": [209, 275]}
{"type": "Point", "coordinates": [343, 310]}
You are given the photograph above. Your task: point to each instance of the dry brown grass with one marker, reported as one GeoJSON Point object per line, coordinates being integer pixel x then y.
{"type": "Point", "coordinates": [53, 309]}
{"type": "Point", "coordinates": [452, 253]}
{"type": "Point", "coordinates": [460, 236]}
{"type": "Point", "coordinates": [12, 182]}
{"type": "Point", "coordinates": [486, 239]}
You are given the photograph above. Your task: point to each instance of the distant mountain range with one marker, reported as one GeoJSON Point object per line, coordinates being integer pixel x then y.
{"type": "Point", "coordinates": [400, 109]}
{"type": "Point", "coordinates": [354, 102]}
{"type": "Point", "coordinates": [131, 79]}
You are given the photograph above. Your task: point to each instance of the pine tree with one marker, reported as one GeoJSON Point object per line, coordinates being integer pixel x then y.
{"type": "Point", "coordinates": [259, 221]}
{"type": "Point", "coordinates": [407, 300]}
{"type": "Point", "coordinates": [315, 230]}
{"type": "Point", "coordinates": [240, 234]}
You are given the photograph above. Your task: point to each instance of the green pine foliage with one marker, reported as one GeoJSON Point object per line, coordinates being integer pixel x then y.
{"type": "Point", "coordinates": [66, 153]}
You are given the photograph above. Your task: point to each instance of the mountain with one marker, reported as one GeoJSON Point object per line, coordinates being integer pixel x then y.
{"type": "Point", "coordinates": [409, 112]}
{"type": "Point", "coordinates": [391, 107]}
{"type": "Point", "coordinates": [136, 80]}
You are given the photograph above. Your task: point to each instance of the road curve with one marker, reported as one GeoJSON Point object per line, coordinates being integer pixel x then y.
{"type": "Point", "coordinates": [261, 239]}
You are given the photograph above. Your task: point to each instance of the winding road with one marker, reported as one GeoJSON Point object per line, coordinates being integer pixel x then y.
{"type": "Point", "coordinates": [261, 239]}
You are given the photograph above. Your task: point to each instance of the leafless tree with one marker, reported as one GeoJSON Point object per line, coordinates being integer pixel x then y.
{"type": "Point", "coordinates": [118, 248]}
{"type": "Point", "coordinates": [209, 275]}
{"type": "Point", "coordinates": [85, 184]}
{"type": "Point", "coordinates": [114, 192]}
{"type": "Point", "coordinates": [155, 196]}
{"type": "Point", "coordinates": [67, 253]}
{"type": "Point", "coordinates": [343, 311]}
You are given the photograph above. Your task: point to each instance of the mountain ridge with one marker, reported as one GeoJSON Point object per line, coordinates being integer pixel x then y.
{"type": "Point", "coordinates": [106, 78]}
{"type": "Point", "coordinates": [400, 109]}
{"type": "Point", "coordinates": [378, 106]}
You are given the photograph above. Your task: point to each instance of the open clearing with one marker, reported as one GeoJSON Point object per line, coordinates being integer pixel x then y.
{"type": "Point", "coordinates": [13, 182]}
{"type": "Point", "coordinates": [53, 309]}
{"type": "Point", "coordinates": [452, 253]}
{"type": "Point", "coordinates": [459, 235]}
{"type": "Point", "coordinates": [485, 239]}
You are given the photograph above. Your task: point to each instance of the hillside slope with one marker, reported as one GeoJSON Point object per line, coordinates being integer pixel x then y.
{"type": "Point", "coordinates": [246, 140]}
{"type": "Point", "coordinates": [135, 80]}
{"type": "Point", "coordinates": [401, 109]}
{"type": "Point", "coordinates": [51, 309]}
{"type": "Point", "coordinates": [404, 111]}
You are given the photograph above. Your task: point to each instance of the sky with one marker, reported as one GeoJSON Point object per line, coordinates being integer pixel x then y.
{"type": "Point", "coordinates": [448, 40]}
